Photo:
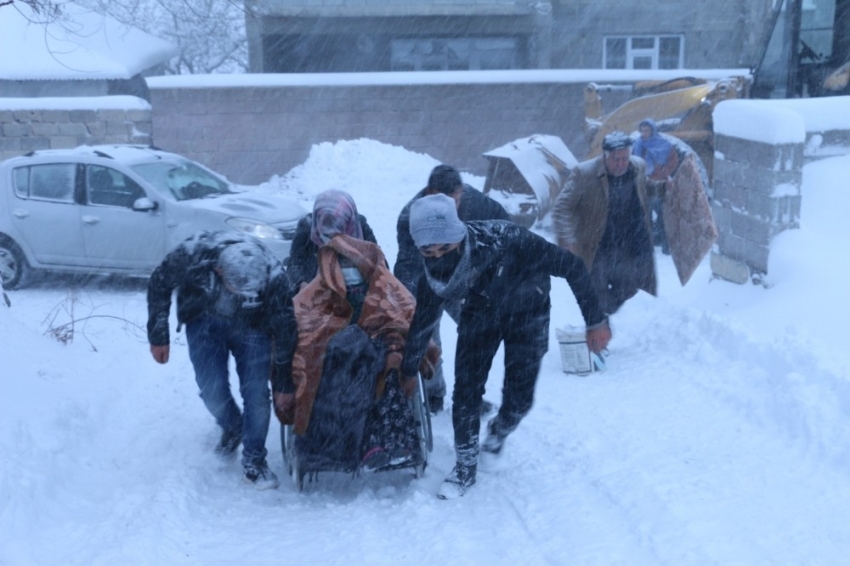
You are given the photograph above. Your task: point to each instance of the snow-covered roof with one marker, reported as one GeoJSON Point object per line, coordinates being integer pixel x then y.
{"type": "Point", "coordinates": [539, 159]}
{"type": "Point", "coordinates": [81, 45]}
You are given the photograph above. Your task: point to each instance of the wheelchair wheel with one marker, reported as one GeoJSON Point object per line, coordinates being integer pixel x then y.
{"type": "Point", "coordinates": [290, 457]}
{"type": "Point", "coordinates": [422, 418]}
{"type": "Point", "coordinates": [284, 450]}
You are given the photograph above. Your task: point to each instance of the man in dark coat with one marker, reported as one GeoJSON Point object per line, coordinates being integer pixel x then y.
{"type": "Point", "coordinates": [471, 204]}
{"type": "Point", "coordinates": [234, 298]}
{"type": "Point", "coordinates": [500, 273]}
{"type": "Point", "coordinates": [602, 215]}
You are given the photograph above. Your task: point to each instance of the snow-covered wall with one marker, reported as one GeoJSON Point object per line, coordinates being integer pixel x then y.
{"type": "Point", "coordinates": [760, 148]}
{"type": "Point", "coordinates": [822, 123]}
{"type": "Point", "coordinates": [28, 124]}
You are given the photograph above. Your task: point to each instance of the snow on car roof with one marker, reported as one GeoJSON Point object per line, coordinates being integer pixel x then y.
{"type": "Point", "coordinates": [123, 153]}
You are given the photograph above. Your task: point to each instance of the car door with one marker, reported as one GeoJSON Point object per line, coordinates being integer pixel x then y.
{"type": "Point", "coordinates": [116, 235]}
{"type": "Point", "coordinates": [45, 215]}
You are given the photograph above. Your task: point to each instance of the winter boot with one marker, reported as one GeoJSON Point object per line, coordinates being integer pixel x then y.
{"type": "Point", "coordinates": [435, 403]}
{"type": "Point", "coordinates": [229, 442]}
{"type": "Point", "coordinates": [495, 440]}
{"type": "Point", "coordinates": [486, 408]}
{"type": "Point", "coordinates": [259, 474]}
{"type": "Point", "coordinates": [460, 480]}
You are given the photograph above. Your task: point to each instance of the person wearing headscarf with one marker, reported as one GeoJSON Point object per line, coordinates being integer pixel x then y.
{"type": "Point", "coordinates": [334, 212]}
{"type": "Point", "coordinates": [345, 400]}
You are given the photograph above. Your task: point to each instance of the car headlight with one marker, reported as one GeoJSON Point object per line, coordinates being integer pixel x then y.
{"type": "Point", "coordinates": [254, 227]}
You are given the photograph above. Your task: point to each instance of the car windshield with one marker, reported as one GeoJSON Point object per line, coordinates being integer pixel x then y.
{"type": "Point", "coordinates": [184, 180]}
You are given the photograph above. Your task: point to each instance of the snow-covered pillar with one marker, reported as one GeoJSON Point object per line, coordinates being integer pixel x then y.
{"type": "Point", "coordinates": [758, 170]}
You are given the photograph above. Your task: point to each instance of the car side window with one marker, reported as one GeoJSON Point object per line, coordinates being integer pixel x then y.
{"type": "Point", "coordinates": [46, 182]}
{"type": "Point", "coordinates": [106, 186]}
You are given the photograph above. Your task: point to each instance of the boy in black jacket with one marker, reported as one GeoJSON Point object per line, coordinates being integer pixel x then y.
{"type": "Point", "coordinates": [471, 204]}
{"type": "Point", "coordinates": [500, 273]}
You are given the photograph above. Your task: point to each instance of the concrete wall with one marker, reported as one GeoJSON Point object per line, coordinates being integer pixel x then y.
{"type": "Point", "coordinates": [34, 88]}
{"type": "Point", "coordinates": [251, 133]}
{"type": "Point", "coordinates": [253, 126]}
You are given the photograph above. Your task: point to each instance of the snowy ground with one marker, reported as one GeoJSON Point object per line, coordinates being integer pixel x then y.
{"type": "Point", "coordinates": [717, 435]}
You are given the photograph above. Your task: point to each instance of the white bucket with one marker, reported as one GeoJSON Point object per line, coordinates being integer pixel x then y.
{"type": "Point", "coordinates": [576, 357]}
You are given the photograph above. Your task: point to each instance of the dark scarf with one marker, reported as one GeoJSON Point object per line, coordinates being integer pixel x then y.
{"type": "Point", "coordinates": [449, 276]}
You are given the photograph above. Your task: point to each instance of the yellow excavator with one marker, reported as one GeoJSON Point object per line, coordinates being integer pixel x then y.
{"type": "Point", "coordinates": [681, 107]}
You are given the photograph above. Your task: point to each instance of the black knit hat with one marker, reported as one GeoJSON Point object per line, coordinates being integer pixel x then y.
{"type": "Point", "coordinates": [444, 179]}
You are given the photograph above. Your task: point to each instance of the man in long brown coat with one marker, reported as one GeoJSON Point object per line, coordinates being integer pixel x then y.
{"type": "Point", "coordinates": [602, 215]}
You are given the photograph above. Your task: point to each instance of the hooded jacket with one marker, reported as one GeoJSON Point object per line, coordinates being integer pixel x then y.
{"type": "Point", "coordinates": [659, 154]}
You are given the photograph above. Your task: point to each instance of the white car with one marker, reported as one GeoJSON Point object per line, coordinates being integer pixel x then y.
{"type": "Point", "coordinates": [120, 209]}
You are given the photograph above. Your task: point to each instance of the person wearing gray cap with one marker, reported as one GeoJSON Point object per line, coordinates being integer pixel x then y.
{"type": "Point", "coordinates": [602, 215]}
{"type": "Point", "coordinates": [471, 204]}
{"type": "Point", "coordinates": [234, 298]}
{"type": "Point", "coordinates": [500, 273]}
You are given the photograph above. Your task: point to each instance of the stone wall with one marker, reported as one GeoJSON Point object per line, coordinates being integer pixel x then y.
{"type": "Point", "coordinates": [51, 127]}
{"type": "Point", "coordinates": [756, 196]}
{"type": "Point", "coordinates": [761, 147]}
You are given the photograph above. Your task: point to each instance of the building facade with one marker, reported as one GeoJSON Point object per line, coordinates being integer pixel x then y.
{"type": "Point", "coordinates": [320, 36]}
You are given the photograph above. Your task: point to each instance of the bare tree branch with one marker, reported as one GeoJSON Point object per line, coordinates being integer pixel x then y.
{"type": "Point", "coordinates": [210, 34]}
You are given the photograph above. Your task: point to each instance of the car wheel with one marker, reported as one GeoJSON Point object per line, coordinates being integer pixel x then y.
{"type": "Point", "coordinates": [14, 268]}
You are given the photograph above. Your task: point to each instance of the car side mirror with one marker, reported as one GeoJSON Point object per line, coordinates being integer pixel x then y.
{"type": "Point", "coordinates": [145, 204]}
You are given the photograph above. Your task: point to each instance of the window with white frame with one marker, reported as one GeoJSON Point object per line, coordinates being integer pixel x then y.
{"type": "Point", "coordinates": [644, 52]}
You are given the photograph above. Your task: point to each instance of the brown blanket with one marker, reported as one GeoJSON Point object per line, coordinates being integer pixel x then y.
{"type": "Point", "coordinates": [322, 310]}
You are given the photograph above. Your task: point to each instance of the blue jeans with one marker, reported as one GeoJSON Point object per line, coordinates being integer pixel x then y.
{"type": "Point", "coordinates": [212, 339]}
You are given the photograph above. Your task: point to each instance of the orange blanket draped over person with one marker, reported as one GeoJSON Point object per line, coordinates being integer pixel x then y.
{"type": "Point", "coordinates": [322, 310]}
